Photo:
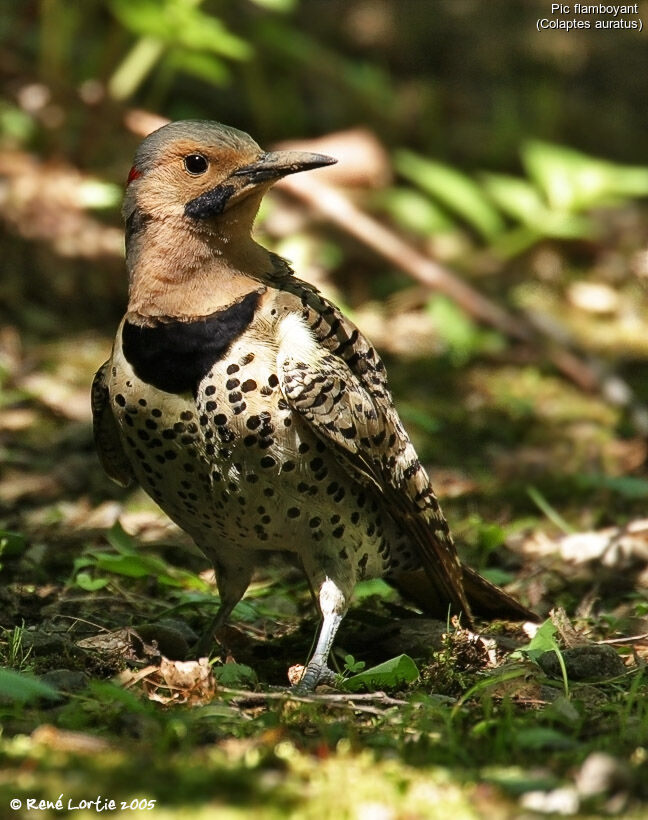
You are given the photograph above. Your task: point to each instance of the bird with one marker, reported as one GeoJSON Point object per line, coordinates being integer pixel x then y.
{"type": "Point", "coordinates": [252, 410]}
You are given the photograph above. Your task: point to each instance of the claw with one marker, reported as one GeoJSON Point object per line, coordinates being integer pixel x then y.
{"type": "Point", "coordinates": [315, 674]}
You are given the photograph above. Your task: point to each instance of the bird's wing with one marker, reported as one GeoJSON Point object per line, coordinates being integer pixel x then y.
{"type": "Point", "coordinates": [106, 434]}
{"type": "Point", "coordinates": [332, 376]}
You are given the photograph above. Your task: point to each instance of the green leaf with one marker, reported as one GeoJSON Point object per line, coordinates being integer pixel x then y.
{"type": "Point", "coordinates": [573, 181]}
{"type": "Point", "coordinates": [520, 200]}
{"type": "Point", "coordinates": [543, 641]}
{"type": "Point", "coordinates": [497, 678]}
{"type": "Point", "coordinates": [453, 189]}
{"type": "Point", "coordinates": [282, 6]}
{"type": "Point", "coordinates": [133, 566]}
{"type": "Point", "coordinates": [81, 562]}
{"type": "Point", "coordinates": [491, 536]}
{"type": "Point", "coordinates": [90, 584]}
{"type": "Point", "coordinates": [94, 193]}
{"type": "Point", "coordinates": [17, 686]}
{"type": "Point", "coordinates": [373, 586]}
{"type": "Point", "coordinates": [180, 22]}
{"type": "Point", "coordinates": [16, 124]}
{"type": "Point", "coordinates": [199, 64]}
{"type": "Point", "coordinates": [235, 675]}
{"type": "Point", "coordinates": [352, 665]}
{"type": "Point", "coordinates": [184, 579]}
{"type": "Point", "coordinates": [462, 336]}
{"type": "Point", "coordinates": [121, 541]}
{"type": "Point", "coordinates": [413, 211]}
{"type": "Point", "coordinates": [12, 544]}
{"type": "Point", "coordinates": [542, 737]}
{"type": "Point", "coordinates": [388, 675]}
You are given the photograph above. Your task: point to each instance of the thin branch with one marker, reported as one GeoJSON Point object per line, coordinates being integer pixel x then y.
{"type": "Point", "coordinates": [339, 209]}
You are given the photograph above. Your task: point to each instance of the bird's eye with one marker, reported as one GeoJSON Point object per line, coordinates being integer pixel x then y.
{"type": "Point", "coordinates": [196, 164]}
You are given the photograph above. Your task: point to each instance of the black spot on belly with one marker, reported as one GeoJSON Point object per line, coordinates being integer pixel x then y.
{"type": "Point", "coordinates": [176, 356]}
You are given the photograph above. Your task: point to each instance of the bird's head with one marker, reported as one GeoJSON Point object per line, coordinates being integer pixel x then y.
{"type": "Point", "coordinates": [196, 171]}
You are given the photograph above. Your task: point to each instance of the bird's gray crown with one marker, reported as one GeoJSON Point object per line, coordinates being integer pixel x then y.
{"type": "Point", "coordinates": [207, 133]}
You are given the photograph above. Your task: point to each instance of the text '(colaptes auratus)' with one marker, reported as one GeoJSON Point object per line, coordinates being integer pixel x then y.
{"type": "Point", "coordinates": [250, 409]}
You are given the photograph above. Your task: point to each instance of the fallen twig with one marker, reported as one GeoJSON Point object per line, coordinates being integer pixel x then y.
{"type": "Point", "coordinates": [333, 698]}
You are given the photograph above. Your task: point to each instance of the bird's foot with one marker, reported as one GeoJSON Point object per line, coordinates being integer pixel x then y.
{"type": "Point", "coordinates": [315, 674]}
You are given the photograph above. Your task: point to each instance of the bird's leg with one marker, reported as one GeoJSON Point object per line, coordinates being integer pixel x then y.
{"type": "Point", "coordinates": [206, 641]}
{"type": "Point", "coordinates": [232, 583]}
{"type": "Point", "coordinates": [333, 605]}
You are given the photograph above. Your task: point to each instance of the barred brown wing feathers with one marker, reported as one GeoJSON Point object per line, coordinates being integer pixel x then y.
{"type": "Point", "coordinates": [342, 392]}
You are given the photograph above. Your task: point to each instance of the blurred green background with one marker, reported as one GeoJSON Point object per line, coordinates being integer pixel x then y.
{"type": "Point", "coordinates": [510, 161]}
{"type": "Point", "coordinates": [512, 158]}
{"type": "Point", "coordinates": [499, 137]}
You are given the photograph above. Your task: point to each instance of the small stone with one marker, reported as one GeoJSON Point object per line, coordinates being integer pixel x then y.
{"type": "Point", "coordinates": [65, 680]}
{"type": "Point", "coordinates": [595, 662]}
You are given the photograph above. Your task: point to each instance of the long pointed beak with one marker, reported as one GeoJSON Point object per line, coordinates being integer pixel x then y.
{"type": "Point", "coordinates": [276, 164]}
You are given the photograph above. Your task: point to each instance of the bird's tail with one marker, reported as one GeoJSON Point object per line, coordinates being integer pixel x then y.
{"type": "Point", "coordinates": [489, 601]}
{"type": "Point", "coordinates": [485, 599]}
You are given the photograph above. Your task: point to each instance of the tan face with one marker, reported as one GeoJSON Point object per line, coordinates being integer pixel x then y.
{"type": "Point", "coordinates": [185, 170]}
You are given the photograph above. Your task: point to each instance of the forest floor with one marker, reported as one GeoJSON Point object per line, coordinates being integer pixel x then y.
{"type": "Point", "coordinates": [103, 599]}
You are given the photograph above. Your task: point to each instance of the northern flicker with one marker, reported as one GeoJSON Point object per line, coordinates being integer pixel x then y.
{"type": "Point", "coordinates": [251, 409]}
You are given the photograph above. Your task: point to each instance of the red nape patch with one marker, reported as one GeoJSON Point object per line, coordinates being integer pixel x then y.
{"type": "Point", "coordinates": [133, 174]}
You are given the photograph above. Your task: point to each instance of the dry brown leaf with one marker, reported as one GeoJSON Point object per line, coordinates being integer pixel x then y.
{"type": "Point", "coordinates": [125, 643]}
{"type": "Point", "coordinates": [177, 682]}
{"type": "Point", "coordinates": [295, 673]}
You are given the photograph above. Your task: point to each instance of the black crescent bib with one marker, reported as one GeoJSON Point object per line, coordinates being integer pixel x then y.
{"type": "Point", "coordinates": [175, 356]}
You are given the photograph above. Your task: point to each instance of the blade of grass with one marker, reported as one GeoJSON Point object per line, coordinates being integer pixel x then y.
{"type": "Point", "coordinates": [552, 514]}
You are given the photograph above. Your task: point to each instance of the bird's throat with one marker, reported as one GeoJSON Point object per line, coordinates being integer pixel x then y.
{"type": "Point", "coordinates": [180, 273]}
